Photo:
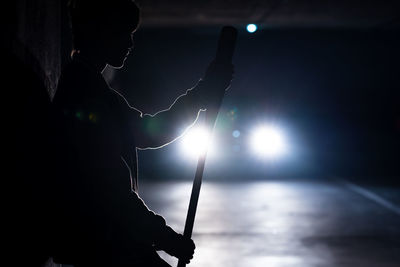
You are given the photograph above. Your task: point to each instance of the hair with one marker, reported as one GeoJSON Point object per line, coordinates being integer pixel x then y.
{"type": "Point", "coordinates": [86, 15]}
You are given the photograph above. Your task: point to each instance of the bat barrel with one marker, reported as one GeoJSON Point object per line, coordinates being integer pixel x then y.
{"type": "Point", "coordinates": [226, 44]}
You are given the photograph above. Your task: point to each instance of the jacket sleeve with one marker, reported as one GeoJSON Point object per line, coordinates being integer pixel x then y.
{"type": "Point", "coordinates": [164, 127]}
{"type": "Point", "coordinates": [142, 225]}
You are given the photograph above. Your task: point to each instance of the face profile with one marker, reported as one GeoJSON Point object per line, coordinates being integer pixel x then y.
{"type": "Point", "coordinates": [117, 45]}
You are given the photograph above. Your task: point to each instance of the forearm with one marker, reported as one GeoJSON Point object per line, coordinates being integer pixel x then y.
{"type": "Point", "coordinates": [168, 125]}
{"type": "Point", "coordinates": [141, 224]}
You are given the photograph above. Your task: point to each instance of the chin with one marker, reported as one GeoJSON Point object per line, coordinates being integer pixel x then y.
{"type": "Point", "coordinates": [117, 63]}
{"type": "Point", "coordinates": [117, 67]}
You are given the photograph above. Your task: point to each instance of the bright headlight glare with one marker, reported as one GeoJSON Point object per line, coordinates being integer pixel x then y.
{"type": "Point", "coordinates": [196, 142]}
{"type": "Point", "coordinates": [268, 141]}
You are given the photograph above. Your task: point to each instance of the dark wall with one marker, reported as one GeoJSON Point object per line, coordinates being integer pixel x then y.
{"type": "Point", "coordinates": [42, 39]}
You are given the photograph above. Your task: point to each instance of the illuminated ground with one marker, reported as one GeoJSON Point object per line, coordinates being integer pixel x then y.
{"type": "Point", "coordinates": [283, 223]}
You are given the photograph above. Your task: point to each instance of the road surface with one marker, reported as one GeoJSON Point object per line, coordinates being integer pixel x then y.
{"type": "Point", "coordinates": [276, 223]}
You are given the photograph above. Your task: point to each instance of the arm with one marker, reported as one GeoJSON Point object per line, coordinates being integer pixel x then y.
{"type": "Point", "coordinates": [162, 128]}
{"type": "Point", "coordinates": [152, 228]}
{"type": "Point", "coordinates": [168, 125]}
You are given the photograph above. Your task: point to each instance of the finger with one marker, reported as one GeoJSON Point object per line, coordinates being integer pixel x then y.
{"type": "Point", "coordinates": [188, 252]}
{"type": "Point", "coordinates": [185, 259]}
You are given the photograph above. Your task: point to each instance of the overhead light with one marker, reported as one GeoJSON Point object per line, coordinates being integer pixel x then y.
{"type": "Point", "coordinates": [251, 28]}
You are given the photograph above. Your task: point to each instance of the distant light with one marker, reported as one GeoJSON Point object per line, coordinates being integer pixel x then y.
{"type": "Point", "coordinates": [251, 28]}
{"type": "Point", "coordinates": [268, 141]}
{"type": "Point", "coordinates": [236, 148]}
{"type": "Point", "coordinates": [236, 133]}
{"type": "Point", "coordinates": [195, 142]}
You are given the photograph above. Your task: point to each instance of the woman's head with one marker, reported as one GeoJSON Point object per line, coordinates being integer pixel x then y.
{"type": "Point", "coordinates": [104, 27]}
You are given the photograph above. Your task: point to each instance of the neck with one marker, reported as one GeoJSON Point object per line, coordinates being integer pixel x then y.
{"type": "Point", "coordinates": [93, 60]}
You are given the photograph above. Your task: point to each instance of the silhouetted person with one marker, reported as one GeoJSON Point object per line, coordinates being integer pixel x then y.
{"type": "Point", "coordinates": [102, 220]}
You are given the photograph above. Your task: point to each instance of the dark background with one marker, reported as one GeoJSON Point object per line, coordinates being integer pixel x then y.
{"type": "Point", "coordinates": [336, 90]}
{"type": "Point", "coordinates": [327, 71]}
